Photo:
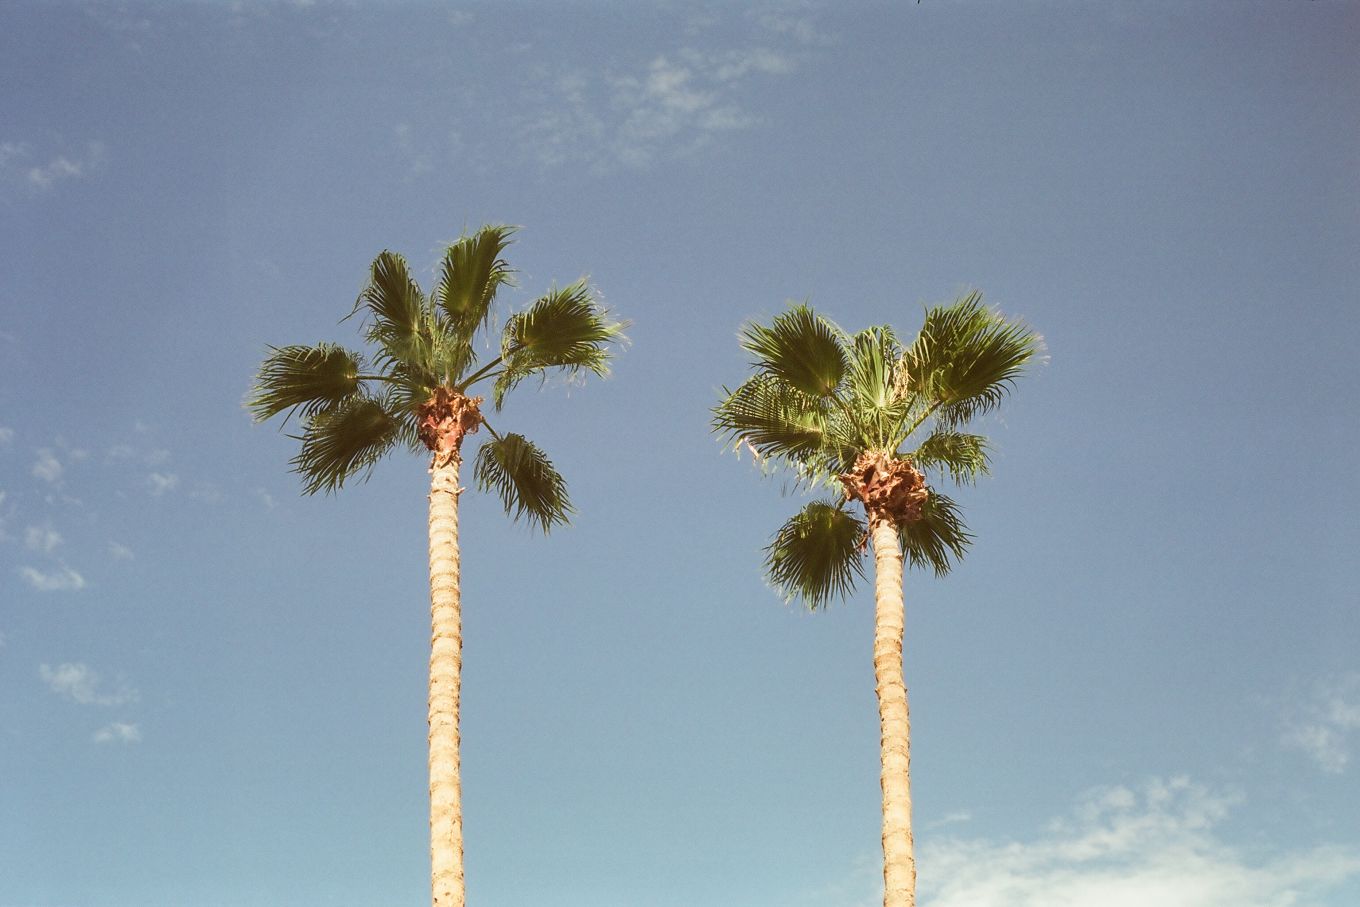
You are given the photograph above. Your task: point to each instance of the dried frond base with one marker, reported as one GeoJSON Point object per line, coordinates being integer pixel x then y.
{"type": "Point", "coordinates": [443, 421]}
{"type": "Point", "coordinates": [889, 487]}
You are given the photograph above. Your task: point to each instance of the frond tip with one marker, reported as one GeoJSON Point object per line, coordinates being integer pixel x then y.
{"type": "Point", "coordinates": [306, 377]}
{"type": "Point", "coordinates": [817, 554]}
{"type": "Point", "coordinates": [525, 479]}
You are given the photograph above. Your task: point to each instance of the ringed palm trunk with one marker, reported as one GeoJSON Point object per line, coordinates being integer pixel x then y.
{"type": "Point", "coordinates": [899, 859]}
{"type": "Point", "coordinates": [446, 662]}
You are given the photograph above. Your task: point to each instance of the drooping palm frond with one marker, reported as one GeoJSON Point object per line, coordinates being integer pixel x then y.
{"type": "Point", "coordinates": [938, 538]}
{"type": "Point", "coordinates": [777, 421]}
{"type": "Point", "coordinates": [800, 347]}
{"type": "Point", "coordinates": [525, 479]}
{"type": "Point", "coordinates": [967, 357]}
{"type": "Point", "coordinates": [817, 554]}
{"type": "Point", "coordinates": [473, 271]}
{"type": "Point", "coordinates": [344, 441]}
{"type": "Point", "coordinates": [565, 329]}
{"type": "Point", "coordinates": [305, 377]}
{"type": "Point", "coordinates": [963, 456]}
{"type": "Point", "coordinates": [397, 319]}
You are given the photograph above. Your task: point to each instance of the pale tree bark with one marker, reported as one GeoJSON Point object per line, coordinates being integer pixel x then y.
{"type": "Point", "coordinates": [446, 663]}
{"type": "Point", "coordinates": [899, 858]}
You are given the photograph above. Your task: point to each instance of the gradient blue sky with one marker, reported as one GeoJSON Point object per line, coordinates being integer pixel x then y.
{"type": "Point", "coordinates": [1142, 687]}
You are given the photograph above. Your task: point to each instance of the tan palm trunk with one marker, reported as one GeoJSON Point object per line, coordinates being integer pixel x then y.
{"type": "Point", "coordinates": [899, 858]}
{"type": "Point", "coordinates": [446, 664]}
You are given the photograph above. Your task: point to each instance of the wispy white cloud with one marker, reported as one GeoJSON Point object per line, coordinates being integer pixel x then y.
{"type": "Point", "coordinates": [1326, 725]}
{"type": "Point", "coordinates": [41, 538]}
{"type": "Point", "coordinates": [1120, 847]}
{"type": "Point", "coordinates": [674, 105]}
{"type": "Point", "coordinates": [47, 467]}
{"type": "Point", "coordinates": [6, 436]}
{"type": "Point", "coordinates": [118, 732]}
{"type": "Point", "coordinates": [120, 552]}
{"type": "Point", "coordinates": [79, 683]}
{"type": "Point", "coordinates": [39, 172]}
{"type": "Point", "coordinates": [161, 482]}
{"type": "Point", "coordinates": [266, 498]}
{"type": "Point", "coordinates": [60, 579]}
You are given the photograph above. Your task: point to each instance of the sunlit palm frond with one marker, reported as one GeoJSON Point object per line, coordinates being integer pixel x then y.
{"type": "Point", "coordinates": [963, 456]}
{"type": "Point", "coordinates": [305, 377]}
{"type": "Point", "coordinates": [967, 356]}
{"type": "Point", "coordinates": [773, 418]}
{"type": "Point", "coordinates": [938, 538]}
{"type": "Point", "coordinates": [565, 329]}
{"type": "Point", "coordinates": [396, 316]}
{"type": "Point", "coordinates": [872, 388]}
{"type": "Point", "coordinates": [473, 271]}
{"type": "Point", "coordinates": [817, 554]}
{"type": "Point", "coordinates": [801, 347]}
{"type": "Point", "coordinates": [525, 479]}
{"type": "Point", "coordinates": [344, 442]}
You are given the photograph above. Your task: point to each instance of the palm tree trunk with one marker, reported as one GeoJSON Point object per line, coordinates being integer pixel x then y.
{"type": "Point", "coordinates": [446, 663]}
{"type": "Point", "coordinates": [899, 858]}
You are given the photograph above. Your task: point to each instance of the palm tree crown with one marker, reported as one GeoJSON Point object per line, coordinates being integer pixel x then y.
{"type": "Point", "coordinates": [867, 416]}
{"type": "Point", "coordinates": [413, 389]}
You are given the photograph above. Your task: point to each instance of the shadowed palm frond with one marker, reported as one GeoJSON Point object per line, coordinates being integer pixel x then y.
{"type": "Point", "coordinates": [817, 554]}
{"type": "Point", "coordinates": [938, 538]}
{"type": "Point", "coordinates": [967, 357]}
{"type": "Point", "coordinates": [801, 347]}
{"type": "Point", "coordinates": [963, 456]}
{"type": "Point", "coordinates": [473, 271]}
{"type": "Point", "coordinates": [305, 377]}
{"type": "Point", "coordinates": [525, 479]}
{"type": "Point", "coordinates": [343, 442]}
{"type": "Point", "coordinates": [396, 316]}
{"type": "Point", "coordinates": [774, 419]}
{"type": "Point", "coordinates": [564, 329]}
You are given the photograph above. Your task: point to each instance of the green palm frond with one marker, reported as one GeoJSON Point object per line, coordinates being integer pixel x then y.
{"type": "Point", "coordinates": [397, 319]}
{"type": "Point", "coordinates": [963, 456]}
{"type": "Point", "coordinates": [473, 271]}
{"type": "Point", "coordinates": [345, 441]}
{"type": "Point", "coordinates": [305, 377]}
{"type": "Point", "coordinates": [774, 419]}
{"type": "Point", "coordinates": [872, 384]}
{"type": "Point", "coordinates": [967, 357]}
{"type": "Point", "coordinates": [817, 554]}
{"type": "Point", "coordinates": [564, 329]}
{"type": "Point", "coordinates": [938, 538]}
{"type": "Point", "coordinates": [800, 347]}
{"type": "Point", "coordinates": [525, 479]}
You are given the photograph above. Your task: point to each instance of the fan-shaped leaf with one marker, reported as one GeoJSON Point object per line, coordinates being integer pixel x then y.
{"type": "Point", "coordinates": [938, 538]}
{"type": "Point", "coordinates": [525, 479]}
{"type": "Point", "coordinates": [344, 441]}
{"type": "Point", "coordinates": [817, 554]}
{"type": "Point", "coordinates": [800, 347]}
{"type": "Point", "coordinates": [963, 456]}
{"type": "Point", "coordinates": [396, 316]}
{"type": "Point", "coordinates": [564, 329]}
{"type": "Point", "coordinates": [307, 377]}
{"type": "Point", "coordinates": [967, 356]}
{"type": "Point", "coordinates": [473, 272]}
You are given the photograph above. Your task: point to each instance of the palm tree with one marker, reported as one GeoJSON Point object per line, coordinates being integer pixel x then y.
{"type": "Point", "coordinates": [865, 416]}
{"type": "Point", "coordinates": [414, 391]}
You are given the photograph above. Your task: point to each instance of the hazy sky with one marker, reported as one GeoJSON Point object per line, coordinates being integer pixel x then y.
{"type": "Point", "coordinates": [1142, 687]}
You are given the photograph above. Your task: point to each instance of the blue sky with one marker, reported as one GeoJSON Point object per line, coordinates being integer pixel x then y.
{"type": "Point", "coordinates": [1141, 687]}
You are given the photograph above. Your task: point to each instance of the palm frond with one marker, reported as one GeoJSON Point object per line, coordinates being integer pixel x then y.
{"type": "Point", "coordinates": [473, 271]}
{"type": "Point", "coordinates": [396, 315]}
{"type": "Point", "coordinates": [938, 538]}
{"type": "Point", "coordinates": [525, 479]}
{"type": "Point", "coordinates": [800, 347]}
{"type": "Point", "coordinates": [874, 391]}
{"type": "Point", "coordinates": [345, 441]}
{"type": "Point", "coordinates": [773, 418]}
{"type": "Point", "coordinates": [963, 456]}
{"type": "Point", "coordinates": [967, 356]}
{"type": "Point", "coordinates": [817, 554]}
{"type": "Point", "coordinates": [565, 329]}
{"type": "Point", "coordinates": [305, 377]}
